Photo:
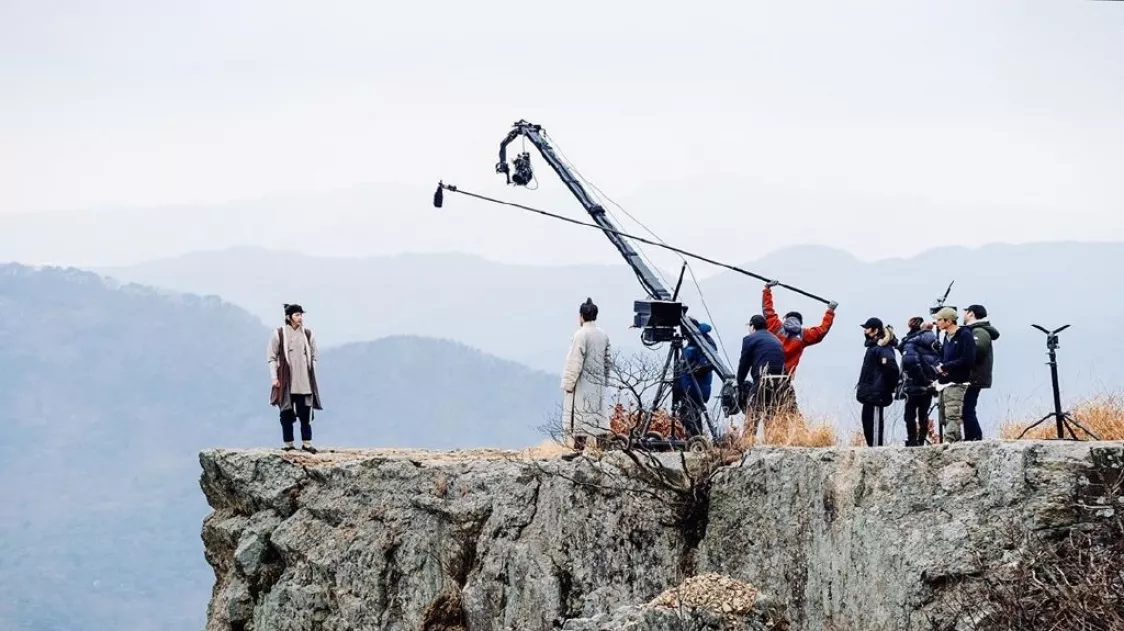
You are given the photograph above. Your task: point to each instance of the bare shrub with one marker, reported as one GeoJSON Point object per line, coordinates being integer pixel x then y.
{"type": "Point", "coordinates": [1071, 580]}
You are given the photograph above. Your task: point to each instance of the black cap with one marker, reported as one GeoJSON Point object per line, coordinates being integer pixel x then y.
{"type": "Point", "coordinates": [291, 309]}
{"type": "Point", "coordinates": [872, 323]}
{"type": "Point", "coordinates": [757, 322]}
{"type": "Point", "coordinates": [979, 310]}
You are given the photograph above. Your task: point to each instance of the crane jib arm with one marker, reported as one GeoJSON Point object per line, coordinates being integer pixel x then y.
{"type": "Point", "coordinates": [652, 284]}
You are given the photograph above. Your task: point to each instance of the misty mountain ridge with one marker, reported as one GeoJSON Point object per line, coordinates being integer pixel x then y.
{"type": "Point", "coordinates": [527, 314]}
{"type": "Point", "coordinates": [378, 218]}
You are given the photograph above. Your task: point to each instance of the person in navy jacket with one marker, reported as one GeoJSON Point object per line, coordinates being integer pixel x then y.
{"type": "Point", "coordinates": [954, 373]}
{"type": "Point", "coordinates": [763, 384]}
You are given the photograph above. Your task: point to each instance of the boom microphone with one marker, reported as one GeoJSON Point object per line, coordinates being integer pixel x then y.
{"type": "Point", "coordinates": [438, 196]}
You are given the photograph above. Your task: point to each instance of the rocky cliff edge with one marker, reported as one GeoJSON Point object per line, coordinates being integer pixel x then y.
{"type": "Point", "coordinates": [835, 539]}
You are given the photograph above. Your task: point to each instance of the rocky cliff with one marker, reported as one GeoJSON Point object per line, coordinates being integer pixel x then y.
{"type": "Point", "coordinates": [846, 538]}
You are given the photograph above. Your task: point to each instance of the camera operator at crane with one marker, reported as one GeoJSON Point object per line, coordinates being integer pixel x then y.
{"type": "Point", "coordinates": [693, 385]}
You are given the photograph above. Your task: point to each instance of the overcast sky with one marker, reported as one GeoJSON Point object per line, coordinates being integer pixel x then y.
{"type": "Point", "coordinates": [816, 122]}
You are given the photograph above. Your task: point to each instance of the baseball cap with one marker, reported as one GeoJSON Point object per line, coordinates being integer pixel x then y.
{"type": "Point", "coordinates": [872, 323]}
{"type": "Point", "coordinates": [947, 313]}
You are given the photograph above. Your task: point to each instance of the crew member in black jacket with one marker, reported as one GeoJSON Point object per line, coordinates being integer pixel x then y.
{"type": "Point", "coordinates": [877, 379]}
{"type": "Point", "coordinates": [954, 373]}
{"type": "Point", "coordinates": [762, 359]}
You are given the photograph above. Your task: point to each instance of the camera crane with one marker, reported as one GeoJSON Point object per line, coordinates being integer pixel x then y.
{"type": "Point", "coordinates": [660, 318]}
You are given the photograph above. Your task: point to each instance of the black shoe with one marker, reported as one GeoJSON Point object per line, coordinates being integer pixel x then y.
{"type": "Point", "coordinates": [288, 448]}
{"type": "Point", "coordinates": [309, 448]}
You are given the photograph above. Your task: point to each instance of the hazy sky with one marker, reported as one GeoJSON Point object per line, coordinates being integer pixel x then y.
{"type": "Point", "coordinates": [818, 122]}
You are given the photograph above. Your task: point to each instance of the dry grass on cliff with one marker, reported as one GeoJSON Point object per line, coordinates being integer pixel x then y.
{"type": "Point", "coordinates": [1103, 415]}
{"type": "Point", "coordinates": [549, 448]}
{"type": "Point", "coordinates": [792, 430]}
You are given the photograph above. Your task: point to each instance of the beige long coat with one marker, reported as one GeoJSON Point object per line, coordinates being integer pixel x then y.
{"type": "Point", "coordinates": [585, 378]}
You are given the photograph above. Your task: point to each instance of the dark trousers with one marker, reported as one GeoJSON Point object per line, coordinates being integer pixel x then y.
{"type": "Point", "coordinates": [300, 409]}
{"type": "Point", "coordinates": [870, 414]}
{"type": "Point", "coordinates": [972, 429]}
{"type": "Point", "coordinates": [690, 406]}
{"type": "Point", "coordinates": [917, 417]}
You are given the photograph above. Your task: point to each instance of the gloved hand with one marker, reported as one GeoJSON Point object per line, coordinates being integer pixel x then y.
{"type": "Point", "coordinates": [772, 283]}
{"type": "Point", "coordinates": [832, 305]}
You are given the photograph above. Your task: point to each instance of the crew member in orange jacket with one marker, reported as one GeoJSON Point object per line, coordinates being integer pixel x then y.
{"type": "Point", "coordinates": [794, 336]}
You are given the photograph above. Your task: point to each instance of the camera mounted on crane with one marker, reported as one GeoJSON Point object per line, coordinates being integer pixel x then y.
{"type": "Point", "coordinates": [524, 174]}
{"type": "Point", "coordinates": [658, 320]}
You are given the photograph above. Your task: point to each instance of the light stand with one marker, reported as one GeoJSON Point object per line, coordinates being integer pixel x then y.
{"type": "Point", "coordinates": [1064, 420]}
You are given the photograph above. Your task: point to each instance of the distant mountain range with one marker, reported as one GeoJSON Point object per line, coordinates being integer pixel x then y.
{"type": "Point", "coordinates": [527, 313]}
{"type": "Point", "coordinates": [110, 392]}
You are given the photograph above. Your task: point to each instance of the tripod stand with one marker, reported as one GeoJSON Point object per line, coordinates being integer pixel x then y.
{"type": "Point", "coordinates": [1064, 420]}
{"type": "Point", "coordinates": [676, 365]}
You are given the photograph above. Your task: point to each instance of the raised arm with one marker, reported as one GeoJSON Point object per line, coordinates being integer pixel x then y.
{"type": "Point", "coordinates": [815, 334]}
{"type": "Point", "coordinates": [772, 322]}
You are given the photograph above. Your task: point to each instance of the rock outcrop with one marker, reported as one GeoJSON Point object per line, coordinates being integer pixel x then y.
{"type": "Point", "coordinates": [843, 539]}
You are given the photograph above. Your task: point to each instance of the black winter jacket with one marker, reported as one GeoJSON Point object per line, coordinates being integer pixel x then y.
{"type": "Point", "coordinates": [879, 374]}
{"type": "Point", "coordinates": [919, 361]}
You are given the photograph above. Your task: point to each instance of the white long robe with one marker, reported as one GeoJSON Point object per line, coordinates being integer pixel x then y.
{"type": "Point", "coordinates": [586, 373]}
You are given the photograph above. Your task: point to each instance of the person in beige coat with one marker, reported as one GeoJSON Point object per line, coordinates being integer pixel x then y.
{"type": "Point", "coordinates": [291, 355]}
{"type": "Point", "coordinates": [585, 378]}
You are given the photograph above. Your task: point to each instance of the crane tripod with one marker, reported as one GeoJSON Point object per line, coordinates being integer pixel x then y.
{"type": "Point", "coordinates": [665, 321]}
{"type": "Point", "coordinates": [1064, 420]}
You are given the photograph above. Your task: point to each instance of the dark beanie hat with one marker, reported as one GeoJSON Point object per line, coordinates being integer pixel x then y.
{"type": "Point", "coordinates": [758, 322]}
{"type": "Point", "coordinates": [291, 309]}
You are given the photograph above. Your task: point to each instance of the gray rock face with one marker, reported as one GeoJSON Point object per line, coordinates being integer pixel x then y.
{"type": "Point", "coordinates": [847, 538]}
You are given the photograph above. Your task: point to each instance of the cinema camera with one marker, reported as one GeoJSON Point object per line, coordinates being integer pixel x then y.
{"type": "Point", "coordinates": [658, 320]}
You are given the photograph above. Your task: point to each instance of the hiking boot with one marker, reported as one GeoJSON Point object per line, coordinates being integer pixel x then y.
{"type": "Point", "coordinates": [288, 448]}
{"type": "Point", "coordinates": [309, 448]}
